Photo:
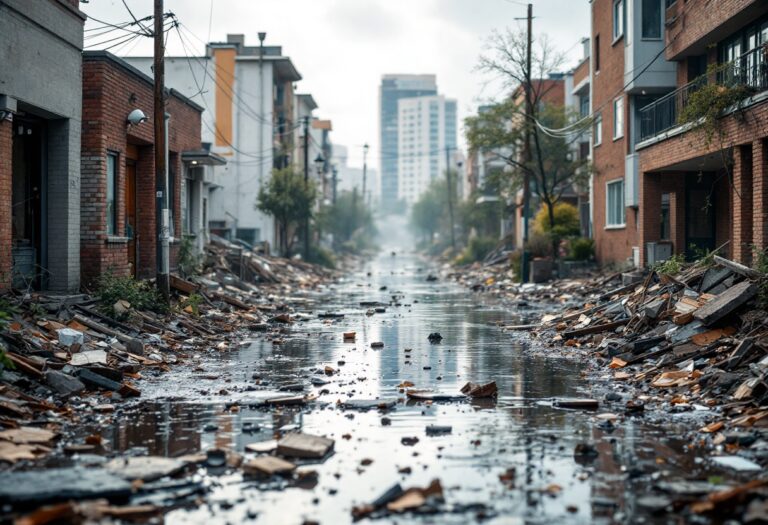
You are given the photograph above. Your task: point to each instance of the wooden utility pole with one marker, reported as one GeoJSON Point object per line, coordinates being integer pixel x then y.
{"type": "Point", "coordinates": [161, 167]}
{"type": "Point", "coordinates": [450, 196]}
{"type": "Point", "coordinates": [527, 149]}
{"type": "Point", "coordinates": [306, 184]}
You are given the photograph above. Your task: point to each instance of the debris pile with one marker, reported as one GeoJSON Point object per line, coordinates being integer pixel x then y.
{"type": "Point", "coordinates": [70, 358]}
{"type": "Point", "coordinates": [694, 341]}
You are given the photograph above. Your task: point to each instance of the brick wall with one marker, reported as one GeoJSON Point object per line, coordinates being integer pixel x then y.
{"type": "Point", "coordinates": [693, 21]}
{"type": "Point", "coordinates": [6, 157]}
{"type": "Point", "coordinates": [110, 93]}
{"type": "Point", "coordinates": [611, 245]}
{"type": "Point", "coordinates": [581, 72]}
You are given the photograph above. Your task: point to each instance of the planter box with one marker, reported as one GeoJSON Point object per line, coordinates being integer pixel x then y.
{"type": "Point", "coordinates": [541, 270]}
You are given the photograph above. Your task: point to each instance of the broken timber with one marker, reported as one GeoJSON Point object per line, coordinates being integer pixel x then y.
{"type": "Point", "coordinates": [725, 303]}
{"type": "Point", "coordinates": [595, 329]}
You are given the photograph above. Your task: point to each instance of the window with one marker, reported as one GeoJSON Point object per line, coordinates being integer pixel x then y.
{"type": "Point", "coordinates": [618, 118]}
{"type": "Point", "coordinates": [597, 53]}
{"type": "Point", "coordinates": [111, 204]}
{"type": "Point", "coordinates": [618, 19]}
{"type": "Point", "coordinates": [584, 106]}
{"type": "Point", "coordinates": [615, 212]}
{"type": "Point", "coordinates": [598, 129]}
{"type": "Point", "coordinates": [651, 19]}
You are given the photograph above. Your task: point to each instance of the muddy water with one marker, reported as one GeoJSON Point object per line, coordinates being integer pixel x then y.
{"type": "Point", "coordinates": [188, 411]}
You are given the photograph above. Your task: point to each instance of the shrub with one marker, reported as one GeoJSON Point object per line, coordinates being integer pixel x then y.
{"type": "Point", "coordinates": [540, 245]}
{"type": "Point", "coordinates": [516, 263]}
{"type": "Point", "coordinates": [189, 261]}
{"type": "Point", "coordinates": [323, 257]}
{"type": "Point", "coordinates": [581, 249]}
{"type": "Point", "coordinates": [140, 294]}
{"type": "Point", "coordinates": [671, 266]}
{"type": "Point", "coordinates": [477, 250]}
{"type": "Point", "coordinates": [566, 220]}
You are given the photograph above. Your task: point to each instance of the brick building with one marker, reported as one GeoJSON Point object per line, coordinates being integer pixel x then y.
{"type": "Point", "coordinates": [698, 194]}
{"type": "Point", "coordinates": [40, 106]}
{"type": "Point", "coordinates": [628, 71]}
{"type": "Point", "coordinates": [118, 209]}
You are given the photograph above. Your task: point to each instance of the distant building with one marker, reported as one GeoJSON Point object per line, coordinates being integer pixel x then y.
{"type": "Point", "coordinates": [249, 101]}
{"type": "Point", "coordinates": [426, 142]}
{"type": "Point", "coordinates": [392, 89]}
{"type": "Point", "coordinates": [349, 178]}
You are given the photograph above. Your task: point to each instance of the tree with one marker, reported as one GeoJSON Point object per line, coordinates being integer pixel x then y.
{"type": "Point", "coordinates": [553, 167]}
{"type": "Point", "coordinates": [349, 221]}
{"type": "Point", "coordinates": [290, 201]}
{"type": "Point", "coordinates": [429, 213]}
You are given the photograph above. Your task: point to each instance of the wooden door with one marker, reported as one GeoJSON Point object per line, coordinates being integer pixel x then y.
{"type": "Point", "coordinates": [130, 212]}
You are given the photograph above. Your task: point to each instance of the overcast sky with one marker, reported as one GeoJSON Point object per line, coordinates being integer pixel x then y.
{"type": "Point", "coordinates": [342, 47]}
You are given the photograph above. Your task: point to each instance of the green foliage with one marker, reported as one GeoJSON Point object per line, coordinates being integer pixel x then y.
{"type": "Point", "coordinates": [516, 263]}
{"type": "Point", "coordinates": [566, 221]}
{"type": "Point", "coordinates": [140, 294]}
{"type": "Point", "coordinates": [193, 301]}
{"type": "Point", "coordinates": [6, 314]}
{"type": "Point", "coordinates": [430, 213]}
{"type": "Point", "coordinates": [477, 249]}
{"type": "Point", "coordinates": [323, 257]}
{"type": "Point", "coordinates": [289, 200]}
{"type": "Point", "coordinates": [581, 249]}
{"type": "Point", "coordinates": [671, 266]}
{"type": "Point", "coordinates": [484, 218]}
{"type": "Point", "coordinates": [350, 222]}
{"type": "Point", "coordinates": [540, 244]}
{"type": "Point", "coordinates": [707, 103]}
{"type": "Point", "coordinates": [188, 260]}
{"type": "Point", "coordinates": [761, 265]}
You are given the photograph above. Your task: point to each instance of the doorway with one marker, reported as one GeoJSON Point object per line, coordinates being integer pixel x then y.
{"type": "Point", "coordinates": [27, 202]}
{"type": "Point", "coordinates": [130, 212]}
{"type": "Point", "coordinates": [699, 214]}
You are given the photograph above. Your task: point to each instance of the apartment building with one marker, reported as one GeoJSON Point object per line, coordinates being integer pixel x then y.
{"type": "Point", "coordinates": [628, 71]}
{"type": "Point", "coordinates": [249, 119]}
{"type": "Point", "coordinates": [698, 193]}
{"type": "Point", "coordinates": [392, 89]}
{"type": "Point", "coordinates": [40, 110]}
{"type": "Point", "coordinates": [426, 143]}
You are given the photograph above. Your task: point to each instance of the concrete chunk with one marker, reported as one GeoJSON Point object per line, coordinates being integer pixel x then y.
{"type": "Point", "coordinates": [725, 303]}
{"type": "Point", "coordinates": [63, 384]}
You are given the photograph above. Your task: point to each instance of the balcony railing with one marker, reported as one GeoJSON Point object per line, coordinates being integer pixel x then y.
{"type": "Point", "coordinates": [750, 70]}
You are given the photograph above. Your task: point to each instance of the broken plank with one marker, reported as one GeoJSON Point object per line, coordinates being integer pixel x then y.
{"type": "Point", "coordinates": [725, 303]}
{"type": "Point", "coordinates": [268, 466]}
{"type": "Point", "coordinates": [304, 446]}
{"type": "Point", "coordinates": [738, 268]}
{"type": "Point", "coordinates": [24, 365]}
{"type": "Point", "coordinates": [90, 323]}
{"type": "Point", "coordinates": [183, 286]}
{"type": "Point", "coordinates": [595, 329]}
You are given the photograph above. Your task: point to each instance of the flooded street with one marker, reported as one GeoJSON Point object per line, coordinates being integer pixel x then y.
{"type": "Point", "coordinates": [520, 437]}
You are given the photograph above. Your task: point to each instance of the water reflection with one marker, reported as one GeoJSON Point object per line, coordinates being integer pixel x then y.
{"type": "Point", "coordinates": [519, 431]}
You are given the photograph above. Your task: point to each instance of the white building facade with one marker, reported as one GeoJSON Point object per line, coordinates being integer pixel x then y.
{"type": "Point", "coordinates": [426, 143]}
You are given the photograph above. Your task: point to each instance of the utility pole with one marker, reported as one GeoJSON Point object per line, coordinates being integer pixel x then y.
{"type": "Point", "coordinates": [335, 171]}
{"type": "Point", "coordinates": [365, 169]}
{"type": "Point", "coordinates": [450, 196]}
{"type": "Point", "coordinates": [161, 177]}
{"type": "Point", "coordinates": [527, 149]}
{"type": "Point", "coordinates": [306, 184]}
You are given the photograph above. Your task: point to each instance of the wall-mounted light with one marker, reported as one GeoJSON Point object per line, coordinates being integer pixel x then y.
{"type": "Point", "coordinates": [136, 117]}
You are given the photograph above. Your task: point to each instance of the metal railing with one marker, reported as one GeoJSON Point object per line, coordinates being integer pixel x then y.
{"type": "Point", "coordinates": [750, 70]}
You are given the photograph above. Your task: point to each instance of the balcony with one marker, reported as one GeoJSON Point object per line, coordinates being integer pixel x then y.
{"type": "Point", "coordinates": [749, 70]}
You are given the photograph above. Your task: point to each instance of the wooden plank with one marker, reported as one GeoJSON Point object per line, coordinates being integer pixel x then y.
{"type": "Point", "coordinates": [24, 366]}
{"type": "Point", "coordinates": [595, 329]}
{"type": "Point", "coordinates": [183, 286]}
{"type": "Point", "coordinates": [726, 303]}
{"type": "Point", "coordinates": [268, 466]}
{"type": "Point", "coordinates": [738, 268]}
{"type": "Point", "coordinates": [90, 323]}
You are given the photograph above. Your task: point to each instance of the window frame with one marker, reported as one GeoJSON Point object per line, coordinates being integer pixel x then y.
{"type": "Point", "coordinates": [596, 53]}
{"type": "Point", "coordinates": [618, 118]}
{"type": "Point", "coordinates": [598, 131]}
{"type": "Point", "coordinates": [659, 25]}
{"type": "Point", "coordinates": [622, 199]}
{"type": "Point", "coordinates": [112, 224]}
{"type": "Point", "coordinates": [619, 22]}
